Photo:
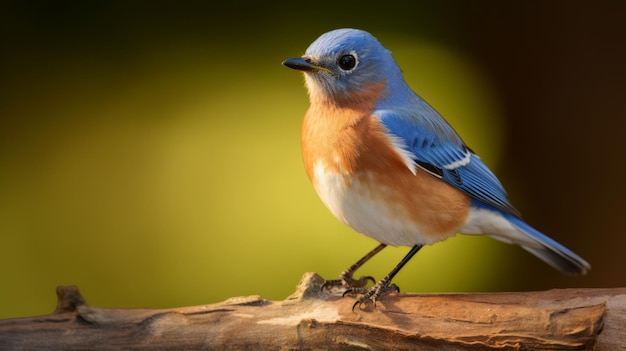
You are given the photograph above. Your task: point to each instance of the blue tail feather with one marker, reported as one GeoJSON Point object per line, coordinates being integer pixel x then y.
{"type": "Point", "coordinates": [550, 251]}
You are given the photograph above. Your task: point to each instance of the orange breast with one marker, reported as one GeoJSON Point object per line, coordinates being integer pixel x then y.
{"type": "Point", "coordinates": [364, 181]}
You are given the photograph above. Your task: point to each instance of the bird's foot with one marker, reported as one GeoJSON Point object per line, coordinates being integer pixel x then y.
{"type": "Point", "coordinates": [346, 281]}
{"type": "Point", "coordinates": [372, 294]}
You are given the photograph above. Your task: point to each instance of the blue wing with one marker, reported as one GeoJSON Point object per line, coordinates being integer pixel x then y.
{"type": "Point", "coordinates": [439, 150]}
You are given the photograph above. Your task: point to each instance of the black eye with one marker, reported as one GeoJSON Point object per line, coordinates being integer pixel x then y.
{"type": "Point", "coordinates": [347, 62]}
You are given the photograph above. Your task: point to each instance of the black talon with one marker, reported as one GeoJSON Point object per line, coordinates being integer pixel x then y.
{"type": "Point", "coordinates": [328, 284]}
{"type": "Point", "coordinates": [372, 294]}
{"type": "Point", "coordinates": [354, 291]}
{"type": "Point", "coordinates": [384, 286]}
{"type": "Point", "coordinates": [357, 286]}
{"type": "Point", "coordinates": [370, 278]}
{"type": "Point", "coordinates": [347, 282]}
{"type": "Point", "coordinates": [345, 279]}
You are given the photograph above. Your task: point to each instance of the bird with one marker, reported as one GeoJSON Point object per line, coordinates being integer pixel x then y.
{"type": "Point", "coordinates": [389, 166]}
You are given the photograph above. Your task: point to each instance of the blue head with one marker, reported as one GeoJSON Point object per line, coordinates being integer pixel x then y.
{"type": "Point", "coordinates": [343, 62]}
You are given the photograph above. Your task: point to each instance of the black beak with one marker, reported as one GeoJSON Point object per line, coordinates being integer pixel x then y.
{"type": "Point", "coordinates": [300, 64]}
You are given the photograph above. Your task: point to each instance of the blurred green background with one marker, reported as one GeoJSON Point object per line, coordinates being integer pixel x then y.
{"type": "Point", "coordinates": [149, 151]}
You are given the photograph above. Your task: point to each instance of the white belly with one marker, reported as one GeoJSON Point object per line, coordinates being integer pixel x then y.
{"type": "Point", "coordinates": [365, 211]}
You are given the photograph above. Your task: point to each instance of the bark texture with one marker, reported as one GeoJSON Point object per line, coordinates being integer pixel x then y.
{"type": "Point", "coordinates": [569, 319]}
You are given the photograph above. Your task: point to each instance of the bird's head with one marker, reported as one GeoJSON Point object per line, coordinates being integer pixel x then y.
{"type": "Point", "coordinates": [342, 65]}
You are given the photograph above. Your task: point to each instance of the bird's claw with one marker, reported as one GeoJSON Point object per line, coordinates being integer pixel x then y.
{"type": "Point", "coordinates": [346, 281]}
{"type": "Point", "coordinates": [371, 294]}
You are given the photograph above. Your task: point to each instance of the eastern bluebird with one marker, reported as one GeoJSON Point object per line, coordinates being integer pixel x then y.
{"type": "Point", "coordinates": [390, 167]}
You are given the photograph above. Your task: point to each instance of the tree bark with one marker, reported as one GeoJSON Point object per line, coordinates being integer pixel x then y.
{"type": "Point", "coordinates": [312, 319]}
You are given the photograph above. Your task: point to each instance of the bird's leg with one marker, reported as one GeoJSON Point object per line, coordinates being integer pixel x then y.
{"type": "Point", "coordinates": [384, 286]}
{"type": "Point", "coordinates": [345, 278]}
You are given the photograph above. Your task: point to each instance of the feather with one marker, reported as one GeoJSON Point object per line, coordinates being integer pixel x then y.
{"type": "Point", "coordinates": [437, 149]}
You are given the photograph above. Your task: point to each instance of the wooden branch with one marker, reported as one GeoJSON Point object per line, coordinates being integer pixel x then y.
{"type": "Point", "coordinates": [570, 319]}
